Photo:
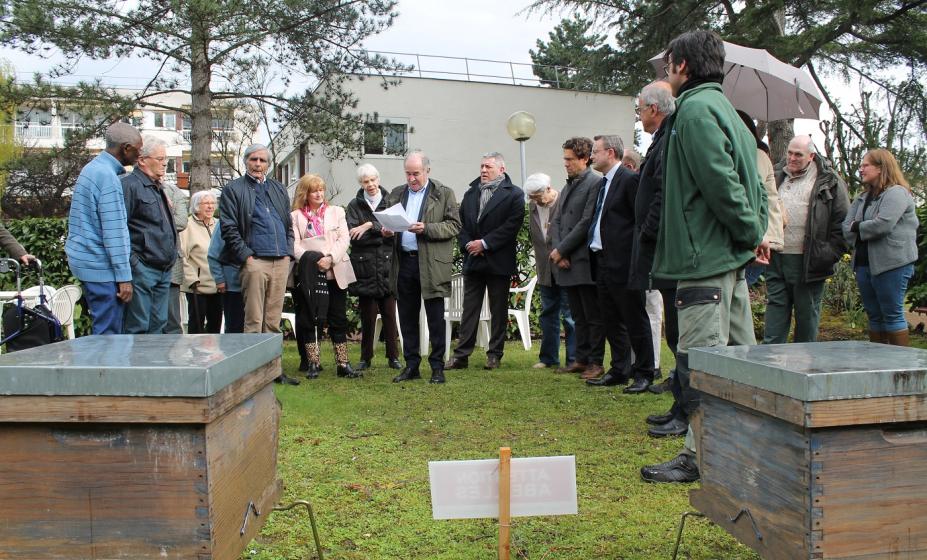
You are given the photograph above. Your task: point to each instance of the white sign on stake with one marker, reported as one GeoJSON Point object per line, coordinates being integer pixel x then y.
{"type": "Point", "coordinates": [470, 489]}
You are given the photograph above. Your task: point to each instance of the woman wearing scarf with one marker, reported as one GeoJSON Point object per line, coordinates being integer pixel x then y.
{"type": "Point", "coordinates": [204, 302]}
{"type": "Point", "coordinates": [321, 228]}
{"type": "Point", "coordinates": [371, 256]}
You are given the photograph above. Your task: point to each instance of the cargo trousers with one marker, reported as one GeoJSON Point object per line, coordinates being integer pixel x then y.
{"type": "Point", "coordinates": [712, 311]}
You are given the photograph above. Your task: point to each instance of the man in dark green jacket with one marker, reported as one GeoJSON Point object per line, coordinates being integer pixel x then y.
{"type": "Point", "coordinates": [712, 224]}
{"type": "Point", "coordinates": [421, 269]}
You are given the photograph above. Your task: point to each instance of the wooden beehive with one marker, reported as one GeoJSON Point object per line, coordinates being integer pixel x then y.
{"type": "Point", "coordinates": [815, 451]}
{"type": "Point", "coordinates": [137, 447]}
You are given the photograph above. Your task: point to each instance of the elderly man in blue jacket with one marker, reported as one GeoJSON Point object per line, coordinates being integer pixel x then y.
{"type": "Point", "coordinates": [97, 245]}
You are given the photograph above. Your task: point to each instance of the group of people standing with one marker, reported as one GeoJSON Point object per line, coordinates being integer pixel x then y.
{"type": "Point", "coordinates": [625, 245]}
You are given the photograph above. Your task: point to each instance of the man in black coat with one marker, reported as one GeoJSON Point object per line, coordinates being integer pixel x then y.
{"type": "Point", "coordinates": [611, 234]}
{"type": "Point", "coordinates": [491, 213]}
{"type": "Point", "coordinates": [655, 104]}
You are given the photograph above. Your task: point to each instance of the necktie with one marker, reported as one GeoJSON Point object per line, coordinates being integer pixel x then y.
{"type": "Point", "coordinates": [598, 208]}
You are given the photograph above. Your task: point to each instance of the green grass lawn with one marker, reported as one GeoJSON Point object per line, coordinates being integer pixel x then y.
{"type": "Point", "coordinates": [359, 450]}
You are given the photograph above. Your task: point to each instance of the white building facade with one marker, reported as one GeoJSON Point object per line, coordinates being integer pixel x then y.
{"type": "Point", "coordinates": [455, 122]}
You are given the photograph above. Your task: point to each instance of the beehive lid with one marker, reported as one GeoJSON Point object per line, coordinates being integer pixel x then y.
{"type": "Point", "coordinates": [166, 365]}
{"type": "Point", "coordinates": [819, 371]}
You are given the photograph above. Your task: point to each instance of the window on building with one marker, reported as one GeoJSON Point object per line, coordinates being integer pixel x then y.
{"type": "Point", "coordinates": [134, 120]}
{"type": "Point", "coordinates": [186, 166]}
{"type": "Point", "coordinates": [385, 138]}
{"type": "Point", "coordinates": [165, 120]}
{"type": "Point", "coordinates": [171, 165]}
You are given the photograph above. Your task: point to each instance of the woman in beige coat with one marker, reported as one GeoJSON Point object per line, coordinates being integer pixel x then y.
{"type": "Point", "coordinates": [204, 302]}
{"type": "Point", "coordinates": [321, 236]}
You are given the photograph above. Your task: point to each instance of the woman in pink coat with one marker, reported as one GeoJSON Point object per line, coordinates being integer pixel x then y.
{"type": "Point", "coordinates": [321, 240]}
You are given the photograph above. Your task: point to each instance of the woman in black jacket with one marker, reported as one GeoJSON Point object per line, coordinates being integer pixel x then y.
{"type": "Point", "coordinates": [371, 256]}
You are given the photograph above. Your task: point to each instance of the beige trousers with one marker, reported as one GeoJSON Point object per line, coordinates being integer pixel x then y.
{"type": "Point", "coordinates": [263, 284]}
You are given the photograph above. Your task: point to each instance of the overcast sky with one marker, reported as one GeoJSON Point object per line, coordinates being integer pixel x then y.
{"type": "Point", "coordinates": [476, 29]}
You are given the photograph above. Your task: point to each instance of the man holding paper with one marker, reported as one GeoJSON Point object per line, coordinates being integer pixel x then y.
{"type": "Point", "coordinates": [421, 268]}
{"type": "Point", "coordinates": [491, 213]}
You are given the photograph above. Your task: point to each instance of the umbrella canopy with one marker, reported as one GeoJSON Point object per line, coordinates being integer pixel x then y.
{"type": "Point", "coordinates": [763, 86]}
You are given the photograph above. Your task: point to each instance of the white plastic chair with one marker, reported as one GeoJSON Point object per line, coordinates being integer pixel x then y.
{"type": "Point", "coordinates": [453, 313]}
{"type": "Point", "coordinates": [31, 294]}
{"type": "Point", "coordinates": [423, 339]}
{"type": "Point", "coordinates": [286, 319]}
{"type": "Point", "coordinates": [63, 303]}
{"type": "Point", "coordinates": [184, 313]}
{"type": "Point", "coordinates": [522, 316]}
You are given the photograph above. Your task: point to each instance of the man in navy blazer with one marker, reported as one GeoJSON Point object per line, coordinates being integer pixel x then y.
{"type": "Point", "coordinates": [491, 213]}
{"type": "Point", "coordinates": [611, 237]}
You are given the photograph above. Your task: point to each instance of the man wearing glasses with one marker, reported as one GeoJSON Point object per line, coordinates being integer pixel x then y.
{"type": "Point", "coordinates": [153, 240]}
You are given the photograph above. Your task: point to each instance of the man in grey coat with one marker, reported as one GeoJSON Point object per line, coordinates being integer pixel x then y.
{"type": "Point", "coordinates": [570, 232]}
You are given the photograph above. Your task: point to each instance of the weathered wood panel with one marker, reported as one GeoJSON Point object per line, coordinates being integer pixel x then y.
{"type": "Point", "coordinates": [749, 460]}
{"type": "Point", "coordinates": [872, 492]}
{"type": "Point", "coordinates": [123, 409]}
{"type": "Point", "coordinates": [773, 404]}
{"type": "Point", "coordinates": [98, 491]}
{"type": "Point", "coordinates": [241, 453]}
{"type": "Point", "coordinates": [878, 410]}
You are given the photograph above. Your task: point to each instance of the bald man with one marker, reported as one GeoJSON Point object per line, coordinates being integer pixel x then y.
{"type": "Point", "coordinates": [815, 201]}
{"type": "Point", "coordinates": [98, 245]}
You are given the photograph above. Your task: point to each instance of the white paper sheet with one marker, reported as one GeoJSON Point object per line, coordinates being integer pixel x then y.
{"type": "Point", "coordinates": [393, 218]}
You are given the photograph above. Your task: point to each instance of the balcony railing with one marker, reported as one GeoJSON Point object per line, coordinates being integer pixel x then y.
{"type": "Point", "coordinates": [29, 131]}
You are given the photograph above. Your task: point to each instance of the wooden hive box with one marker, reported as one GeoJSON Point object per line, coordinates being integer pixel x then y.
{"type": "Point", "coordinates": [138, 447]}
{"type": "Point", "coordinates": [816, 450]}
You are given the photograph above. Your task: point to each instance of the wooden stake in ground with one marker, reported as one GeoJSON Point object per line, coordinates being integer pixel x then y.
{"type": "Point", "coordinates": [505, 505]}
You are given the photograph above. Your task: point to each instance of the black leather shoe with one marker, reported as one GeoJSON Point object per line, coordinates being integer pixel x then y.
{"type": "Point", "coordinates": [437, 376]}
{"type": "Point", "coordinates": [286, 380]}
{"type": "Point", "coordinates": [362, 365]}
{"type": "Point", "coordinates": [674, 427]}
{"type": "Point", "coordinates": [457, 363]}
{"type": "Point", "coordinates": [312, 371]}
{"type": "Point", "coordinates": [639, 386]}
{"type": "Point", "coordinates": [492, 362]}
{"type": "Point", "coordinates": [660, 388]}
{"type": "Point", "coordinates": [608, 380]}
{"type": "Point", "coordinates": [407, 374]}
{"type": "Point", "coordinates": [395, 364]}
{"type": "Point", "coordinates": [683, 468]}
{"type": "Point", "coordinates": [660, 419]}
{"type": "Point", "coordinates": [345, 370]}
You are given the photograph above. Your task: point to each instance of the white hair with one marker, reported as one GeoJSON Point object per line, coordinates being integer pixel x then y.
{"type": "Point", "coordinates": [254, 148]}
{"type": "Point", "coordinates": [655, 94]}
{"type": "Point", "coordinates": [197, 198]}
{"type": "Point", "coordinates": [366, 170]}
{"type": "Point", "coordinates": [500, 161]}
{"type": "Point", "coordinates": [150, 144]}
{"type": "Point", "coordinates": [536, 183]}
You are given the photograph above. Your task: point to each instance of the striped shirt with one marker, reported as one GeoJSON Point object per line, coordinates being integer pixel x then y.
{"type": "Point", "coordinates": [98, 237]}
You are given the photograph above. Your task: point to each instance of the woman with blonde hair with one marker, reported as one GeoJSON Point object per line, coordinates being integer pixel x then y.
{"type": "Point", "coordinates": [322, 264]}
{"type": "Point", "coordinates": [882, 227]}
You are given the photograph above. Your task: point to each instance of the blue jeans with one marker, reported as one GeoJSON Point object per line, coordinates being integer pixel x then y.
{"type": "Point", "coordinates": [147, 312]}
{"type": "Point", "coordinates": [883, 297]}
{"type": "Point", "coordinates": [554, 305]}
{"type": "Point", "coordinates": [106, 311]}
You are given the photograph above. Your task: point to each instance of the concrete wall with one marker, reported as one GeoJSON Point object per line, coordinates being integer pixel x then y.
{"type": "Point", "coordinates": [455, 122]}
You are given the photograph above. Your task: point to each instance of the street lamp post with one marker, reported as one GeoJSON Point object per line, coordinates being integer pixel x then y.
{"type": "Point", "coordinates": [520, 127]}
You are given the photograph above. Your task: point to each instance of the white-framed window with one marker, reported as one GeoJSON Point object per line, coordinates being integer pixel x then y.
{"type": "Point", "coordinates": [389, 137]}
{"type": "Point", "coordinates": [165, 120]}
